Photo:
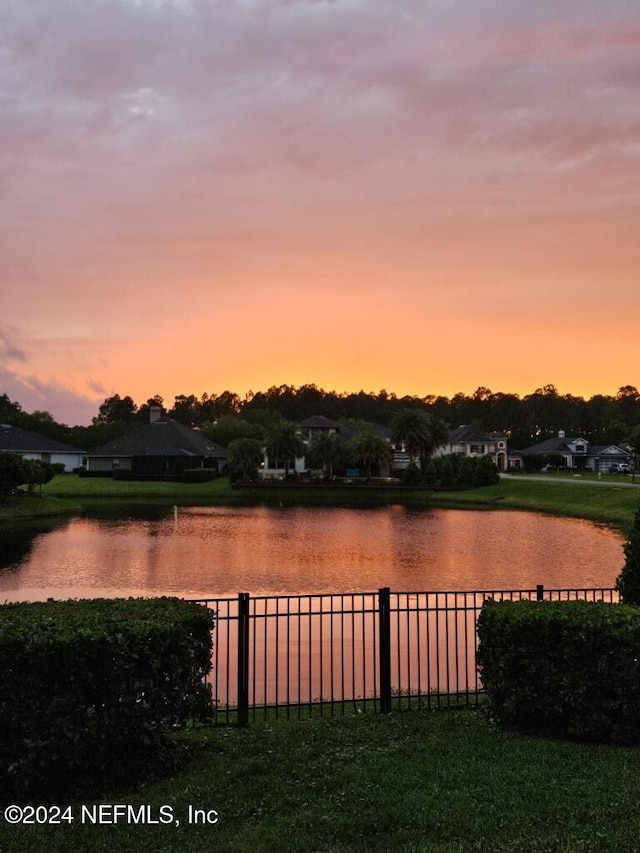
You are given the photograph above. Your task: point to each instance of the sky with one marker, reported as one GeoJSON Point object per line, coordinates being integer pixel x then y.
{"type": "Point", "coordinates": [424, 196]}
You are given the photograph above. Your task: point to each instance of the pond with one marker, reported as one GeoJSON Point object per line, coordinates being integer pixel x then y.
{"type": "Point", "coordinates": [201, 552]}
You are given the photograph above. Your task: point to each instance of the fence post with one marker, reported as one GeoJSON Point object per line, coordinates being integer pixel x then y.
{"type": "Point", "coordinates": [243, 658]}
{"type": "Point", "coordinates": [384, 621]}
{"type": "Point", "coordinates": [540, 592]}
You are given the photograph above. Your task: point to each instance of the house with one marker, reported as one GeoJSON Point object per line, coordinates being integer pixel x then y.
{"type": "Point", "coordinates": [473, 442]}
{"type": "Point", "coordinates": [309, 430]}
{"type": "Point", "coordinates": [32, 445]}
{"type": "Point", "coordinates": [579, 454]}
{"type": "Point", "coordinates": [162, 449]}
{"type": "Point", "coordinates": [317, 425]}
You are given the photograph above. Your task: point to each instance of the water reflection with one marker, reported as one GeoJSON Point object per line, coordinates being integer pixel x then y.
{"type": "Point", "coordinates": [18, 540]}
{"type": "Point", "coordinates": [217, 551]}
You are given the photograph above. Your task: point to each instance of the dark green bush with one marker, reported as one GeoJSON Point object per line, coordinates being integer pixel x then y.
{"type": "Point", "coordinates": [14, 471]}
{"type": "Point", "coordinates": [628, 581]}
{"type": "Point", "coordinates": [90, 690]}
{"type": "Point", "coordinates": [460, 472]}
{"type": "Point", "coordinates": [564, 669]}
{"type": "Point", "coordinates": [122, 474]}
{"type": "Point", "coordinates": [411, 475]}
{"type": "Point", "coordinates": [533, 461]}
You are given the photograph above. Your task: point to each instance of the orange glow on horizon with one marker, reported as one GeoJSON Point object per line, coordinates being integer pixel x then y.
{"type": "Point", "coordinates": [451, 202]}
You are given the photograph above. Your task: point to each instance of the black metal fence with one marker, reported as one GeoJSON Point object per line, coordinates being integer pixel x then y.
{"type": "Point", "coordinates": [303, 655]}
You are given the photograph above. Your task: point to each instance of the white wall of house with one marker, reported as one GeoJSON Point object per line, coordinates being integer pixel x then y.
{"type": "Point", "coordinates": [69, 460]}
{"type": "Point", "coordinates": [277, 473]}
{"type": "Point", "coordinates": [496, 449]}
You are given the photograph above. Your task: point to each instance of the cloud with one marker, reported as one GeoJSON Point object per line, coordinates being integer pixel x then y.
{"type": "Point", "coordinates": [33, 393]}
{"type": "Point", "coordinates": [10, 350]}
{"type": "Point", "coordinates": [162, 160]}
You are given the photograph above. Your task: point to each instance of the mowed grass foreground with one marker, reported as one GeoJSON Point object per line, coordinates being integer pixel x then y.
{"type": "Point", "coordinates": [439, 781]}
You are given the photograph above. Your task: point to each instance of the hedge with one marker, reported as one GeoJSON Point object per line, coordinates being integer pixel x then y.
{"type": "Point", "coordinates": [568, 669]}
{"type": "Point", "coordinates": [90, 690]}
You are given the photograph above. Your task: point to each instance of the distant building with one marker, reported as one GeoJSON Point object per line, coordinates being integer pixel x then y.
{"type": "Point", "coordinates": [580, 454]}
{"type": "Point", "coordinates": [473, 442]}
{"type": "Point", "coordinates": [309, 430]}
{"type": "Point", "coordinates": [159, 450]}
{"type": "Point", "coordinates": [32, 445]}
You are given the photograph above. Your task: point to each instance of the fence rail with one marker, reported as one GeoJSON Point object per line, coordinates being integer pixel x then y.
{"type": "Point", "coordinates": [302, 655]}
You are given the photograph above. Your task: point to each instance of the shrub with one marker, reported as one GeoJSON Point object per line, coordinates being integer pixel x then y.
{"type": "Point", "coordinates": [90, 690]}
{"type": "Point", "coordinates": [411, 476]}
{"type": "Point", "coordinates": [628, 581]}
{"type": "Point", "coordinates": [533, 461]}
{"type": "Point", "coordinates": [39, 473]}
{"type": "Point", "coordinates": [122, 474]}
{"type": "Point", "coordinates": [14, 471]}
{"type": "Point", "coordinates": [460, 472]}
{"type": "Point", "coordinates": [566, 669]}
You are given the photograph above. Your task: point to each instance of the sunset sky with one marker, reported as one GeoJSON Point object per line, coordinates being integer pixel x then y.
{"type": "Point", "coordinates": [418, 195]}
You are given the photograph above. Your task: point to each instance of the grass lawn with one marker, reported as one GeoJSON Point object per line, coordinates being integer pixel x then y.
{"type": "Point", "coordinates": [609, 504]}
{"type": "Point", "coordinates": [71, 485]}
{"type": "Point", "coordinates": [439, 781]}
{"type": "Point", "coordinates": [612, 504]}
{"type": "Point", "coordinates": [20, 508]}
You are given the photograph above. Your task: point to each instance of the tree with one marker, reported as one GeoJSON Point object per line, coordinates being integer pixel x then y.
{"type": "Point", "coordinates": [244, 458]}
{"type": "Point", "coordinates": [628, 581]}
{"type": "Point", "coordinates": [634, 447]}
{"type": "Point", "coordinates": [116, 408]}
{"type": "Point", "coordinates": [628, 403]}
{"type": "Point", "coordinates": [419, 433]}
{"type": "Point", "coordinates": [38, 473]}
{"type": "Point", "coordinates": [186, 409]}
{"type": "Point", "coordinates": [9, 410]}
{"type": "Point", "coordinates": [371, 449]}
{"type": "Point", "coordinates": [14, 471]}
{"type": "Point", "coordinates": [230, 427]}
{"type": "Point", "coordinates": [411, 429]}
{"type": "Point", "coordinates": [327, 451]}
{"type": "Point", "coordinates": [283, 444]}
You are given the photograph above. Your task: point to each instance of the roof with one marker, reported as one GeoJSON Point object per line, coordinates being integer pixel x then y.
{"type": "Point", "coordinates": [609, 450]}
{"type": "Point", "coordinates": [465, 433]}
{"type": "Point", "coordinates": [14, 439]}
{"type": "Point", "coordinates": [551, 445]}
{"type": "Point", "coordinates": [164, 437]}
{"type": "Point", "coordinates": [345, 430]}
{"type": "Point", "coordinates": [319, 422]}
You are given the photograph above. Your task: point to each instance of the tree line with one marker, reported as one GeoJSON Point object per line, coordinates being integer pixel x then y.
{"type": "Point", "coordinates": [526, 420]}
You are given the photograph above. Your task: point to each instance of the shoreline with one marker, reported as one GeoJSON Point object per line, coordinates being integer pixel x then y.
{"type": "Point", "coordinates": [67, 494]}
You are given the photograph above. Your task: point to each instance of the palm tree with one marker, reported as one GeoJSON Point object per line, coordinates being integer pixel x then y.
{"type": "Point", "coordinates": [283, 444]}
{"type": "Point", "coordinates": [326, 451]}
{"type": "Point", "coordinates": [244, 456]}
{"type": "Point", "coordinates": [371, 449]}
{"type": "Point", "coordinates": [419, 433]}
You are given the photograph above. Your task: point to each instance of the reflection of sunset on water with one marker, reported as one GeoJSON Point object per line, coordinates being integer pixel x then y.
{"type": "Point", "coordinates": [202, 552]}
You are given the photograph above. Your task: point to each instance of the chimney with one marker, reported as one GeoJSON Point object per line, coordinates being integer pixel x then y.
{"type": "Point", "coordinates": [155, 413]}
